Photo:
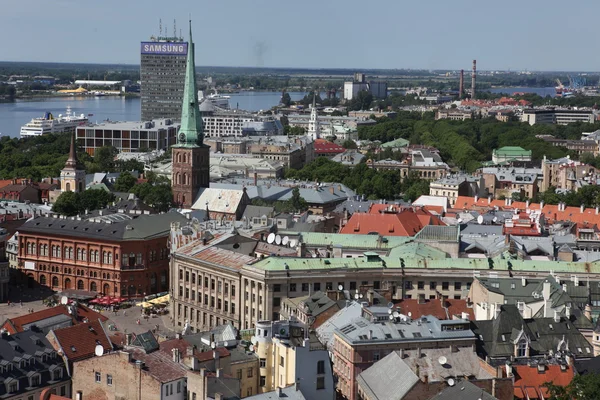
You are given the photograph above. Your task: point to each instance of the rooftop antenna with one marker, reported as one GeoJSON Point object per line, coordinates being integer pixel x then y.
{"type": "Point", "coordinates": [160, 27]}
{"type": "Point", "coordinates": [174, 28]}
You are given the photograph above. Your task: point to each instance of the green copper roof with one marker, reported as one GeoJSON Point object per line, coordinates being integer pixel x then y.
{"type": "Point", "coordinates": [191, 133]}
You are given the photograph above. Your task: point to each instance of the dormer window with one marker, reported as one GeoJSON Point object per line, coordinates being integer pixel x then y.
{"type": "Point", "coordinates": [57, 374]}
{"type": "Point", "coordinates": [522, 348]}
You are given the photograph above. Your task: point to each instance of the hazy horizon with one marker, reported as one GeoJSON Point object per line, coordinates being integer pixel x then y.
{"type": "Point", "coordinates": [349, 34]}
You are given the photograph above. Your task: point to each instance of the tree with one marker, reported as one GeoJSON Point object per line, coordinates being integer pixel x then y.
{"type": "Point", "coordinates": [349, 144]}
{"type": "Point", "coordinates": [582, 387]}
{"type": "Point", "coordinates": [286, 100]}
{"type": "Point", "coordinates": [160, 197]}
{"type": "Point", "coordinates": [125, 182]}
{"type": "Point", "coordinates": [297, 202]}
{"type": "Point", "coordinates": [94, 199]}
{"type": "Point", "coordinates": [104, 157]}
{"type": "Point", "coordinates": [67, 204]}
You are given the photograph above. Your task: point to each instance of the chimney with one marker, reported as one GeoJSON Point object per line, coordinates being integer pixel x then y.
{"type": "Point", "coordinates": [473, 77]}
{"type": "Point", "coordinates": [255, 179]}
{"type": "Point", "coordinates": [542, 205]}
{"type": "Point", "coordinates": [217, 358]}
{"type": "Point", "coordinates": [218, 396]}
{"type": "Point", "coordinates": [297, 385]}
{"type": "Point", "coordinates": [489, 199]}
{"type": "Point", "coordinates": [219, 372]}
{"type": "Point", "coordinates": [556, 317]}
{"type": "Point", "coordinates": [582, 208]}
{"type": "Point", "coordinates": [370, 334]}
{"type": "Point", "coordinates": [527, 204]}
{"type": "Point", "coordinates": [597, 209]}
{"type": "Point", "coordinates": [523, 281]}
{"type": "Point", "coordinates": [568, 312]}
{"type": "Point", "coordinates": [128, 339]}
{"type": "Point", "coordinates": [476, 198]}
{"type": "Point", "coordinates": [461, 84]}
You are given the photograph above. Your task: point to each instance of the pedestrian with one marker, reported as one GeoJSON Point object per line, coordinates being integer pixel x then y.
{"type": "Point", "coordinates": [138, 321]}
{"type": "Point", "coordinates": [8, 303]}
{"type": "Point", "coordinates": [21, 302]}
{"type": "Point", "coordinates": [125, 313]}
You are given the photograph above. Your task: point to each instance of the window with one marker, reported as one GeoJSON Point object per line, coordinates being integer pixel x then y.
{"type": "Point", "coordinates": [352, 285]}
{"type": "Point", "coordinates": [109, 379]}
{"type": "Point", "coordinates": [263, 363]}
{"type": "Point", "coordinates": [305, 287]}
{"type": "Point", "coordinates": [328, 285]}
{"type": "Point", "coordinates": [281, 361]}
{"type": "Point", "coordinates": [98, 377]}
{"type": "Point", "coordinates": [445, 285]}
{"type": "Point", "coordinates": [263, 380]}
{"type": "Point", "coordinates": [232, 290]}
{"type": "Point", "coordinates": [317, 286]}
{"type": "Point", "coordinates": [408, 285]}
{"type": "Point", "coordinates": [239, 374]}
{"type": "Point", "coordinates": [376, 356]}
{"type": "Point", "coordinates": [250, 372]}
{"type": "Point", "coordinates": [320, 367]}
{"type": "Point", "coordinates": [179, 387]}
{"type": "Point", "coordinates": [320, 383]}
{"type": "Point", "coordinates": [420, 285]}
{"type": "Point", "coordinates": [292, 287]}
{"type": "Point", "coordinates": [457, 285]}
{"type": "Point", "coordinates": [276, 302]}
{"type": "Point", "coordinates": [522, 349]}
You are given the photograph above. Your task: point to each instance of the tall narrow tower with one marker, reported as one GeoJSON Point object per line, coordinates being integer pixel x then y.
{"type": "Point", "coordinates": [72, 176]}
{"type": "Point", "coordinates": [473, 77]}
{"type": "Point", "coordinates": [190, 156]}
{"type": "Point", "coordinates": [314, 129]}
{"type": "Point", "coordinates": [461, 84]}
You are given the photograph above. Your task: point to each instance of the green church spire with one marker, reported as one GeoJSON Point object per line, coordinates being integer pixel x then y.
{"type": "Point", "coordinates": [191, 133]}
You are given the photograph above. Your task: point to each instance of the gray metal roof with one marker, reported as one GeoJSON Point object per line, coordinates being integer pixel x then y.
{"type": "Point", "coordinates": [388, 379]}
{"type": "Point", "coordinates": [289, 393]}
{"type": "Point", "coordinates": [339, 319]}
{"type": "Point", "coordinates": [142, 227]}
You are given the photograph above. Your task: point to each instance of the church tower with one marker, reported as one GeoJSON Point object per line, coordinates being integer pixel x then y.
{"type": "Point", "coordinates": [314, 129]}
{"type": "Point", "coordinates": [190, 156]}
{"type": "Point", "coordinates": [72, 176]}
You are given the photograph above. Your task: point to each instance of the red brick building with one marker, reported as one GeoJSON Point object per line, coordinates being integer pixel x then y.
{"type": "Point", "coordinates": [112, 254]}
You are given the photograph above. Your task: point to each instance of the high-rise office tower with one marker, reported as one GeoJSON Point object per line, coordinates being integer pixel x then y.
{"type": "Point", "coordinates": [162, 74]}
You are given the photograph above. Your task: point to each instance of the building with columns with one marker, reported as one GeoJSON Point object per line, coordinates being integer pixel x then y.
{"type": "Point", "coordinates": [190, 156]}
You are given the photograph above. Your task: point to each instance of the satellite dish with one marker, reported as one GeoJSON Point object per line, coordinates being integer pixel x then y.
{"type": "Point", "coordinates": [396, 314]}
{"type": "Point", "coordinates": [450, 382]}
{"type": "Point", "coordinates": [495, 219]}
{"type": "Point", "coordinates": [390, 305]}
{"type": "Point", "coordinates": [361, 296]}
{"type": "Point", "coordinates": [391, 317]}
{"type": "Point", "coordinates": [226, 344]}
{"type": "Point", "coordinates": [340, 287]}
{"type": "Point", "coordinates": [253, 339]}
{"type": "Point", "coordinates": [271, 238]}
{"type": "Point", "coordinates": [356, 296]}
{"type": "Point", "coordinates": [213, 345]}
{"type": "Point", "coordinates": [480, 219]}
{"type": "Point", "coordinates": [285, 240]}
{"type": "Point", "coordinates": [390, 311]}
{"type": "Point", "coordinates": [293, 243]}
{"type": "Point", "coordinates": [64, 300]}
{"type": "Point", "coordinates": [409, 314]}
{"type": "Point", "coordinates": [442, 360]}
{"type": "Point", "coordinates": [99, 350]}
{"type": "Point", "coordinates": [251, 348]}
{"type": "Point", "coordinates": [278, 240]}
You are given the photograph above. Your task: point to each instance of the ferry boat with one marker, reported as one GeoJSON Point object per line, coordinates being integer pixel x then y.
{"type": "Point", "coordinates": [49, 124]}
{"type": "Point", "coordinates": [216, 99]}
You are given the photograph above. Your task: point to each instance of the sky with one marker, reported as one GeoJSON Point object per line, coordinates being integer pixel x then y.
{"type": "Point", "coordinates": [418, 34]}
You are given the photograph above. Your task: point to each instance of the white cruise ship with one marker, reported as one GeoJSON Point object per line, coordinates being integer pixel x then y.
{"type": "Point", "coordinates": [49, 124]}
{"type": "Point", "coordinates": [217, 99]}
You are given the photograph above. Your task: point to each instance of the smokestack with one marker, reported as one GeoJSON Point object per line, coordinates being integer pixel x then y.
{"type": "Point", "coordinates": [461, 84]}
{"type": "Point", "coordinates": [473, 76]}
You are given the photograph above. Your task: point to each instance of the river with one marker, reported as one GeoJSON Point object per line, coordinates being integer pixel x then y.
{"type": "Point", "coordinates": [15, 114]}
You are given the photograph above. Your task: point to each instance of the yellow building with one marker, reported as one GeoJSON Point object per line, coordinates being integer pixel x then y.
{"type": "Point", "coordinates": [287, 356]}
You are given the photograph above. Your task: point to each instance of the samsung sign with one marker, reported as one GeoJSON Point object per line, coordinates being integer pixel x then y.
{"type": "Point", "coordinates": [176, 49]}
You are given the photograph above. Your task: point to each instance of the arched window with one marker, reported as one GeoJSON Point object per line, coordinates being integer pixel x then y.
{"type": "Point", "coordinates": [79, 254]}
{"type": "Point", "coordinates": [185, 158]}
{"type": "Point", "coordinates": [58, 252]}
{"type": "Point", "coordinates": [80, 284]}
{"type": "Point", "coordinates": [104, 258]}
{"type": "Point", "coordinates": [54, 281]}
{"type": "Point", "coordinates": [106, 289]}
{"type": "Point", "coordinates": [83, 255]}
{"type": "Point", "coordinates": [68, 187]}
{"type": "Point", "coordinates": [110, 260]}
{"type": "Point", "coordinates": [42, 279]}
{"type": "Point", "coordinates": [93, 287]}
{"type": "Point", "coordinates": [67, 283]}
{"type": "Point", "coordinates": [178, 157]}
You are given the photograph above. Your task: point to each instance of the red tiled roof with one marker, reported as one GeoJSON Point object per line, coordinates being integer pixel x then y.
{"type": "Point", "coordinates": [160, 366]}
{"type": "Point", "coordinates": [521, 231]}
{"type": "Point", "coordinates": [78, 342]}
{"type": "Point", "coordinates": [406, 223]}
{"type": "Point", "coordinates": [529, 381]}
{"type": "Point", "coordinates": [551, 211]}
{"type": "Point", "coordinates": [15, 325]}
{"type": "Point", "coordinates": [434, 307]}
{"type": "Point", "coordinates": [324, 146]}
{"type": "Point", "coordinates": [168, 346]}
